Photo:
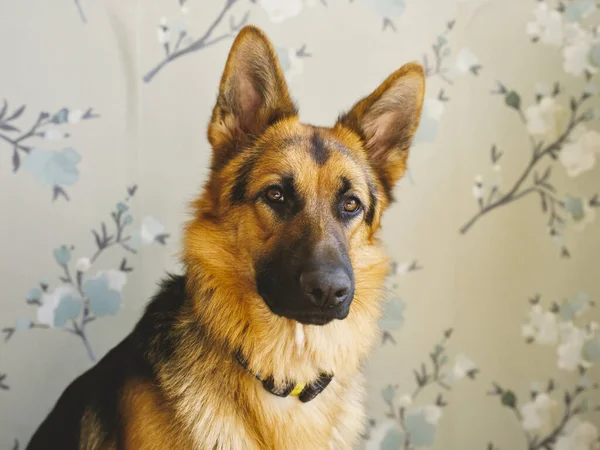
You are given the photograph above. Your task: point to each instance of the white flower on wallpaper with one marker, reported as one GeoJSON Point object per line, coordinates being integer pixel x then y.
{"type": "Point", "coordinates": [580, 153]}
{"type": "Point", "coordinates": [82, 297]}
{"type": "Point", "coordinates": [281, 10]}
{"type": "Point", "coordinates": [163, 34]}
{"type": "Point", "coordinates": [465, 63]}
{"type": "Point", "coordinates": [557, 326]}
{"type": "Point", "coordinates": [580, 43]}
{"type": "Point", "coordinates": [550, 417]}
{"type": "Point", "coordinates": [565, 27]}
{"type": "Point", "coordinates": [570, 352]}
{"type": "Point", "coordinates": [83, 264]}
{"type": "Point", "coordinates": [547, 25]}
{"type": "Point", "coordinates": [151, 229]}
{"type": "Point", "coordinates": [463, 367]}
{"type": "Point", "coordinates": [577, 58]}
{"type": "Point", "coordinates": [477, 189]}
{"type": "Point", "coordinates": [546, 119]}
{"type": "Point", "coordinates": [542, 326]}
{"type": "Point", "coordinates": [541, 414]}
{"type": "Point", "coordinates": [579, 435]}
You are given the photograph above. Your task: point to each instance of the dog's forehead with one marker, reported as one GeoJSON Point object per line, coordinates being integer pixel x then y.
{"type": "Point", "coordinates": [316, 157]}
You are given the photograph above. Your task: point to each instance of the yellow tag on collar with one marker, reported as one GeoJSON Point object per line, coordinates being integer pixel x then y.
{"type": "Point", "coordinates": [298, 389]}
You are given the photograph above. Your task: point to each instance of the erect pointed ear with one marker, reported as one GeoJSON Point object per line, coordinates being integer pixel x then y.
{"type": "Point", "coordinates": [387, 120]}
{"type": "Point", "coordinates": [252, 94]}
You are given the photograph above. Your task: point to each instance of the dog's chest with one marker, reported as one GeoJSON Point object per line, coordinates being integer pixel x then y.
{"type": "Point", "coordinates": [330, 421]}
{"type": "Point", "coordinates": [290, 424]}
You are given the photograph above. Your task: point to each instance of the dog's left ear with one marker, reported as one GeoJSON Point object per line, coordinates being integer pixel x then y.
{"type": "Point", "coordinates": [387, 120]}
{"type": "Point", "coordinates": [252, 94]}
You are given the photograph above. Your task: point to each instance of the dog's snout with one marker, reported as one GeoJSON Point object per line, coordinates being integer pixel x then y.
{"type": "Point", "coordinates": [326, 288]}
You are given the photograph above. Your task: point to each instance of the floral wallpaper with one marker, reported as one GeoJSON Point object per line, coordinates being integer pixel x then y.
{"type": "Point", "coordinates": [490, 335]}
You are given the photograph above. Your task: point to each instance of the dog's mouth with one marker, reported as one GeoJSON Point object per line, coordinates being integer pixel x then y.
{"type": "Point", "coordinates": [314, 317]}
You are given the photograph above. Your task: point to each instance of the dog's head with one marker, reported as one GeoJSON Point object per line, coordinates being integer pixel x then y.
{"type": "Point", "coordinates": [291, 207]}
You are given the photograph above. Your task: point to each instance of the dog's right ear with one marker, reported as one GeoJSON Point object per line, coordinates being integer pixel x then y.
{"type": "Point", "coordinates": [252, 95]}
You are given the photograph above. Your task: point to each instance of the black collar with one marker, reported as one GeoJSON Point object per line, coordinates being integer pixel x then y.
{"type": "Point", "coordinates": [305, 392]}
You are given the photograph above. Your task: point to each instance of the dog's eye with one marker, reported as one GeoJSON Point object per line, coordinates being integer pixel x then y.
{"type": "Point", "coordinates": [351, 205]}
{"type": "Point", "coordinates": [275, 195]}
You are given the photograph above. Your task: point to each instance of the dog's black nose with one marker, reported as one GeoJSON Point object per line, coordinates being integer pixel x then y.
{"type": "Point", "coordinates": [326, 289]}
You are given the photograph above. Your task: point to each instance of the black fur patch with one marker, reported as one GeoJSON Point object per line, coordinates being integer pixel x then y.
{"type": "Point", "coordinates": [346, 186]}
{"type": "Point", "coordinates": [372, 205]}
{"type": "Point", "coordinates": [318, 149]}
{"type": "Point", "coordinates": [387, 189]}
{"type": "Point", "coordinates": [238, 193]}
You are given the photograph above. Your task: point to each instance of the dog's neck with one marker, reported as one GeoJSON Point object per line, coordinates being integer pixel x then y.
{"type": "Point", "coordinates": [303, 390]}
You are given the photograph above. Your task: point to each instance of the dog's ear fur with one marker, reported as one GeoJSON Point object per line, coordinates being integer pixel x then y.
{"type": "Point", "coordinates": [387, 120]}
{"type": "Point", "coordinates": [252, 94]}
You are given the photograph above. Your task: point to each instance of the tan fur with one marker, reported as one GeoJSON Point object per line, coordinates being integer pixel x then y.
{"type": "Point", "coordinates": [204, 398]}
{"type": "Point", "coordinates": [92, 435]}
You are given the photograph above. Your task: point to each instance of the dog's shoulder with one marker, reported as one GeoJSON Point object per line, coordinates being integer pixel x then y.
{"type": "Point", "coordinates": [94, 393]}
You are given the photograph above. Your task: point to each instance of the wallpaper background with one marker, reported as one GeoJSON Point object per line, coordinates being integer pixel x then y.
{"type": "Point", "coordinates": [490, 338]}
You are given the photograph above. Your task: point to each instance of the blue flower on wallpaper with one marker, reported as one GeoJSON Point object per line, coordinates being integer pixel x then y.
{"type": "Point", "coordinates": [578, 9]}
{"type": "Point", "coordinates": [80, 298]}
{"type": "Point", "coordinates": [421, 426]}
{"type": "Point", "coordinates": [68, 309]}
{"type": "Point", "coordinates": [393, 440]}
{"type": "Point", "coordinates": [50, 302]}
{"type": "Point", "coordinates": [388, 393]}
{"type": "Point", "coordinates": [388, 8]}
{"type": "Point", "coordinates": [53, 167]}
{"type": "Point", "coordinates": [575, 306]}
{"type": "Point", "coordinates": [62, 255]}
{"type": "Point", "coordinates": [591, 351]}
{"type": "Point", "coordinates": [104, 292]}
{"type": "Point", "coordinates": [33, 295]}
{"type": "Point", "coordinates": [393, 314]}
{"type": "Point", "coordinates": [575, 206]}
{"type": "Point", "coordinates": [429, 126]}
{"type": "Point", "coordinates": [22, 324]}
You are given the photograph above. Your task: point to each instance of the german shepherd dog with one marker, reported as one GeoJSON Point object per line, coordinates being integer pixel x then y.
{"type": "Point", "coordinates": [259, 345]}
